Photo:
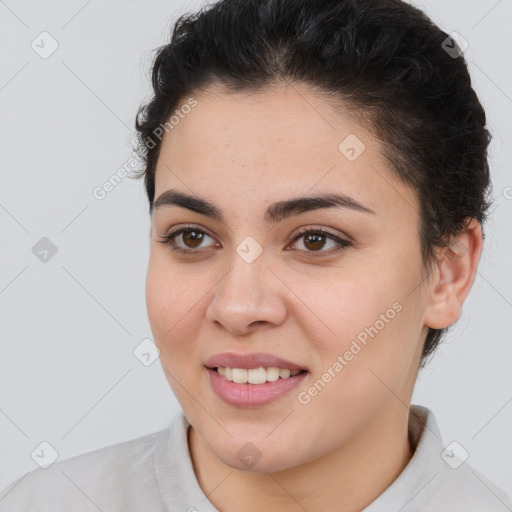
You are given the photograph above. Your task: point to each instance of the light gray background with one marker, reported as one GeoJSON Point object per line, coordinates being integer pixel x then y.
{"type": "Point", "coordinates": [69, 326]}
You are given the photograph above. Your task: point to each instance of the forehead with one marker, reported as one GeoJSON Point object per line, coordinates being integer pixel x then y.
{"type": "Point", "coordinates": [280, 142]}
{"type": "Point", "coordinates": [279, 117]}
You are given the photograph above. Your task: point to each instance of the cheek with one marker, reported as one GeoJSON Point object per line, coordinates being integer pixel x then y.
{"type": "Point", "coordinates": [172, 303]}
{"type": "Point", "coordinates": [359, 378]}
{"type": "Point", "coordinates": [350, 305]}
{"type": "Point", "coordinates": [375, 322]}
{"type": "Point", "coordinates": [173, 309]}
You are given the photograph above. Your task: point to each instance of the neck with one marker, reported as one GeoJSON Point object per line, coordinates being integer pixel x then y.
{"type": "Point", "coordinates": [348, 478]}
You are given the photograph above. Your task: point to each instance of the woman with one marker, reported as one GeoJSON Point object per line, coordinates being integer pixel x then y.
{"type": "Point", "coordinates": [317, 177]}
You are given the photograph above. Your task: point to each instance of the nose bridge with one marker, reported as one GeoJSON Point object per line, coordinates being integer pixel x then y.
{"type": "Point", "coordinates": [245, 295]}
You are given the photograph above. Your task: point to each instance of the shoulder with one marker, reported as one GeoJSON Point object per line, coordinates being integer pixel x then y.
{"type": "Point", "coordinates": [109, 478]}
{"type": "Point", "coordinates": [466, 489]}
{"type": "Point", "coordinates": [445, 480]}
{"type": "Point", "coordinates": [438, 478]}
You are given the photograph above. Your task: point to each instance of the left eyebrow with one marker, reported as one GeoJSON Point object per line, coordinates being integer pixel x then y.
{"type": "Point", "coordinates": [275, 212]}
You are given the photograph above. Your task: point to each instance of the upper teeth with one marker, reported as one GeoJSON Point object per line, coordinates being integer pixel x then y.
{"type": "Point", "coordinates": [255, 375]}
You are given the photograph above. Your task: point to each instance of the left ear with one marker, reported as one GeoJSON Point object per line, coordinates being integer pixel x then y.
{"type": "Point", "coordinates": [453, 277]}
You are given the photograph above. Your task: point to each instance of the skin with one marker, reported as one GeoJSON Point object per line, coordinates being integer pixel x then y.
{"type": "Point", "coordinates": [341, 450]}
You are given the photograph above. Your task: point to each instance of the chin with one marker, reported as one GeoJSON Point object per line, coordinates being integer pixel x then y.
{"type": "Point", "coordinates": [252, 460]}
{"type": "Point", "coordinates": [256, 454]}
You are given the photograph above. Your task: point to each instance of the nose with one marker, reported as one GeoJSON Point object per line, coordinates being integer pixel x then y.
{"type": "Point", "coordinates": [247, 298]}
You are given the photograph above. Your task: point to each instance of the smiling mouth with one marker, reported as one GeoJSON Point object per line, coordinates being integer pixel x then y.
{"type": "Point", "coordinates": [256, 376]}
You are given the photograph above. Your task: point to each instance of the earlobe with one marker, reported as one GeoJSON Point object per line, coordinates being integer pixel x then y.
{"type": "Point", "coordinates": [453, 277]}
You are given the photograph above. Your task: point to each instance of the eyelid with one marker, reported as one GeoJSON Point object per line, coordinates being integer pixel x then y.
{"type": "Point", "coordinates": [187, 227]}
{"type": "Point", "coordinates": [312, 228]}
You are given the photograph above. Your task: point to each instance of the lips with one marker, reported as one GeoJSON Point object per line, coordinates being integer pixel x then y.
{"type": "Point", "coordinates": [248, 361]}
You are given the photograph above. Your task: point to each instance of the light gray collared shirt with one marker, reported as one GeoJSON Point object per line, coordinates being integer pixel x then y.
{"type": "Point", "coordinates": [154, 473]}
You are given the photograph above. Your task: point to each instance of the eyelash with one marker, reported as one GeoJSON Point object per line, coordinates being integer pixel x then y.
{"type": "Point", "coordinates": [168, 239]}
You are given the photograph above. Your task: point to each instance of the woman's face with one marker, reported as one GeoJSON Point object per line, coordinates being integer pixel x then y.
{"type": "Point", "coordinates": [345, 307]}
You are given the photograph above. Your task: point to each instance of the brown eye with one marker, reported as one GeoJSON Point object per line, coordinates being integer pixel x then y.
{"type": "Point", "coordinates": [191, 239]}
{"type": "Point", "coordinates": [188, 240]}
{"type": "Point", "coordinates": [314, 240]}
